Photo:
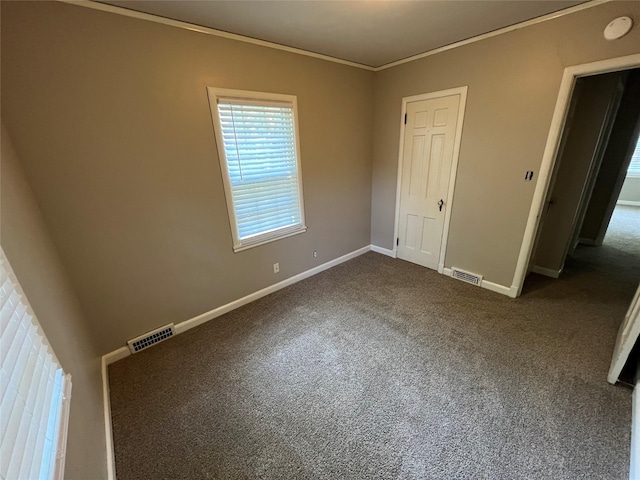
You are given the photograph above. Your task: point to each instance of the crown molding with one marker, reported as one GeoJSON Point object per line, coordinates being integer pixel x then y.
{"type": "Point", "coordinates": [209, 31]}
{"type": "Point", "coordinates": [494, 33]}
{"type": "Point", "coordinates": [263, 43]}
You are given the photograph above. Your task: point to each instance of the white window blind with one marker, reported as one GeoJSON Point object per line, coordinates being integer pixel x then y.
{"type": "Point", "coordinates": [35, 391]}
{"type": "Point", "coordinates": [258, 148]}
{"type": "Point", "coordinates": [634, 166]}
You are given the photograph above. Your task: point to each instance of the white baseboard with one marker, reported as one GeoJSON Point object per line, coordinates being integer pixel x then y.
{"type": "Point", "coordinates": [589, 241]}
{"type": "Point", "coordinates": [116, 355]}
{"type": "Point", "coordinates": [547, 272]}
{"type": "Point", "coordinates": [216, 312]}
{"type": "Point", "coordinates": [123, 352]}
{"type": "Point", "coordinates": [634, 467]}
{"type": "Point", "coordinates": [494, 287]}
{"type": "Point", "coordinates": [487, 285]}
{"type": "Point", "coordinates": [629, 203]}
{"type": "Point", "coordinates": [108, 431]}
{"type": "Point", "coordinates": [383, 251]}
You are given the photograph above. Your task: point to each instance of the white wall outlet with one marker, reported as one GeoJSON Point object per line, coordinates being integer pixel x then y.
{"type": "Point", "coordinates": [276, 267]}
{"type": "Point", "coordinates": [315, 254]}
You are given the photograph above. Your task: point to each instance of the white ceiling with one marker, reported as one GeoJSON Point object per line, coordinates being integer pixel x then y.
{"type": "Point", "coordinates": [370, 32]}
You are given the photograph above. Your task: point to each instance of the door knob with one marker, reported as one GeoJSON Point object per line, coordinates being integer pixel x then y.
{"type": "Point", "coordinates": [440, 204]}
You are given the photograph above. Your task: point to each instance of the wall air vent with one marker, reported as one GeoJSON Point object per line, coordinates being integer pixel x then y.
{"type": "Point", "coordinates": [150, 338]}
{"type": "Point", "coordinates": [466, 276]}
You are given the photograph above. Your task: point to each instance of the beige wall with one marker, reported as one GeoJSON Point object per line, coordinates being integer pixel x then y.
{"type": "Point", "coordinates": [37, 266]}
{"type": "Point", "coordinates": [110, 117]}
{"type": "Point", "coordinates": [513, 83]}
{"type": "Point", "coordinates": [593, 97]}
{"type": "Point", "coordinates": [630, 190]}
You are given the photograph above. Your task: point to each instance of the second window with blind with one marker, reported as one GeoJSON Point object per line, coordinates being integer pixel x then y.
{"type": "Point", "coordinates": [258, 148]}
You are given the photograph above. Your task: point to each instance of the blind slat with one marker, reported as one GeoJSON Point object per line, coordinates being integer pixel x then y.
{"type": "Point", "coordinates": [266, 207]}
{"type": "Point", "coordinates": [8, 336]}
{"type": "Point", "coordinates": [34, 471]}
{"type": "Point", "coordinates": [16, 447]}
{"type": "Point", "coordinates": [269, 224]}
{"type": "Point", "coordinates": [25, 376]}
{"type": "Point", "coordinates": [9, 308]}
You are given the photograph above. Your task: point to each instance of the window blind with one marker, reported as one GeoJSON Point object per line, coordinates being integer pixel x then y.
{"type": "Point", "coordinates": [35, 390]}
{"type": "Point", "coordinates": [261, 160]}
{"type": "Point", "coordinates": [634, 166]}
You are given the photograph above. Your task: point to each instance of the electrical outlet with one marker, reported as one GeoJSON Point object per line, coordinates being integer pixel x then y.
{"type": "Point", "coordinates": [315, 254]}
{"type": "Point", "coordinates": [276, 267]}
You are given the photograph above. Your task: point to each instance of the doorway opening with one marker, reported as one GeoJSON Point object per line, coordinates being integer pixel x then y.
{"type": "Point", "coordinates": [595, 154]}
{"type": "Point", "coordinates": [587, 245]}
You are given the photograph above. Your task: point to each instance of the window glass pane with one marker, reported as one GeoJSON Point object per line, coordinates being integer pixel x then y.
{"type": "Point", "coordinates": [634, 167]}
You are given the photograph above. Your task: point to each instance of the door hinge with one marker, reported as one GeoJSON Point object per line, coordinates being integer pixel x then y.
{"type": "Point", "coordinates": [405, 118]}
{"type": "Point", "coordinates": [398, 242]}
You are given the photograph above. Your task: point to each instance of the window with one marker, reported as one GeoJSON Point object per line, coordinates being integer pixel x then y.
{"type": "Point", "coordinates": [634, 166]}
{"type": "Point", "coordinates": [258, 148]}
{"type": "Point", "coordinates": [35, 390]}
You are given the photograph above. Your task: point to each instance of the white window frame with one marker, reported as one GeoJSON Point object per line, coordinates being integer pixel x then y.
{"type": "Point", "coordinates": [248, 96]}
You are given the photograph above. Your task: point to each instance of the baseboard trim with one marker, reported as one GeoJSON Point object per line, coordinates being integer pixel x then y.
{"type": "Point", "coordinates": [589, 241]}
{"type": "Point", "coordinates": [495, 287]}
{"type": "Point", "coordinates": [383, 251]}
{"type": "Point", "coordinates": [487, 285]}
{"type": "Point", "coordinates": [628, 203]}
{"type": "Point", "coordinates": [123, 352]}
{"type": "Point", "coordinates": [216, 312]}
{"type": "Point", "coordinates": [547, 272]}
{"type": "Point", "coordinates": [634, 464]}
{"type": "Point", "coordinates": [116, 355]}
{"type": "Point", "coordinates": [108, 431]}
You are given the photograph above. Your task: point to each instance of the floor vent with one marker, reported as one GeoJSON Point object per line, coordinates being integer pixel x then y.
{"type": "Point", "coordinates": [150, 338]}
{"type": "Point", "coordinates": [466, 276]}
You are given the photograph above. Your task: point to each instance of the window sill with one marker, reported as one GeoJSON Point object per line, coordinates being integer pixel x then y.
{"type": "Point", "coordinates": [257, 243]}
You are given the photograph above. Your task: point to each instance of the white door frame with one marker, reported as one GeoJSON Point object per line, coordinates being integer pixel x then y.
{"type": "Point", "coordinates": [551, 149]}
{"type": "Point", "coordinates": [628, 333]}
{"type": "Point", "coordinates": [462, 91]}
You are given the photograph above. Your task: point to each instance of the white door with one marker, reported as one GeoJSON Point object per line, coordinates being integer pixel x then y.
{"type": "Point", "coordinates": [627, 336]}
{"type": "Point", "coordinates": [429, 139]}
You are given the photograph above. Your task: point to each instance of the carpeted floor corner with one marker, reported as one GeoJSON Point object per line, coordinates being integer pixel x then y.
{"type": "Point", "coordinates": [382, 369]}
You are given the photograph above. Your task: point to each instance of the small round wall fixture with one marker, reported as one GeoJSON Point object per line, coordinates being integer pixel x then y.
{"type": "Point", "coordinates": [618, 28]}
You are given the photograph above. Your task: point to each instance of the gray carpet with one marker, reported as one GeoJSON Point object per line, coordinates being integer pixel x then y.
{"type": "Point", "coordinates": [379, 368]}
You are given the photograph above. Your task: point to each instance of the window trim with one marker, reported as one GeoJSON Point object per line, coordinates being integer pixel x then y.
{"type": "Point", "coordinates": [216, 93]}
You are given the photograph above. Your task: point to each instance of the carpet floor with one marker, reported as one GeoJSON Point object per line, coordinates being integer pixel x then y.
{"type": "Point", "coordinates": [382, 369]}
